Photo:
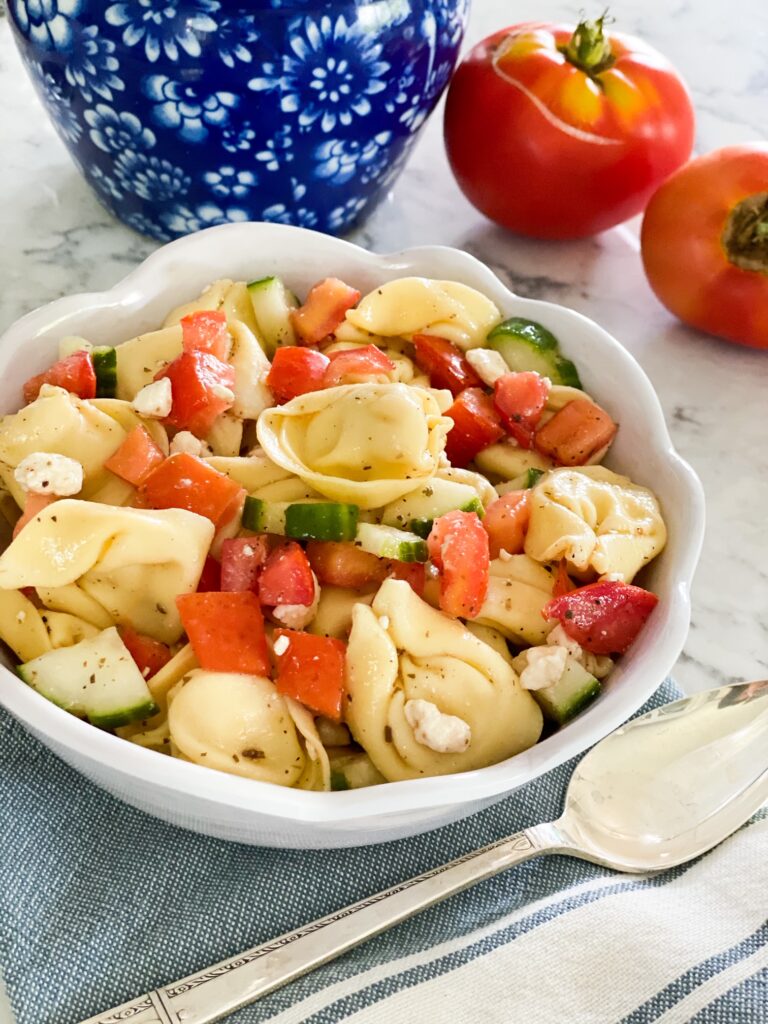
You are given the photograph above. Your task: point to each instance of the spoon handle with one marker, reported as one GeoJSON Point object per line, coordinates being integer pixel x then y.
{"type": "Point", "coordinates": [217, 991]}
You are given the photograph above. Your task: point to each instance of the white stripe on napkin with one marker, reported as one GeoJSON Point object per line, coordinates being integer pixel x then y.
{"type": "Point", "coordinates": [594, 963]}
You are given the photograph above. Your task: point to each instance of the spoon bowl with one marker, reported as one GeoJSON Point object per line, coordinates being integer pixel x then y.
{"type": "Point", "coordinates": [659, 791]}
{"type": "Point", "coordinates": [672, 784]}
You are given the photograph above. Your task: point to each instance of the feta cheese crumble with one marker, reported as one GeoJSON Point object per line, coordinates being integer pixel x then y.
{"type": "Point", "coordinates": [154, 401]}
{"type": "Point", "coordinates": [488, 364]}
{"type": "Point", "coordinates": [186, 442]}
{"type": "Point", "coordinates": [281, 645]}
{"type": "Point", "coordinates": [445, 734]}
{"type": "Point", "coordinates": [48, 473]}
{"type": "Point", "coordinates": [543, 666]}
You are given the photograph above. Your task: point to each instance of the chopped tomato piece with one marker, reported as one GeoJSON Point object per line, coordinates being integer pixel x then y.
{"type": "Point", "coordinates": [563, 582]}
{"type": "Point", "coordinates": [311, 670]}
{"type": "Point", "coordinates": [414, 573]}
{"type": "Point", "coordinates": [520, 399]}
{"type": "Point", "coordinates": [149, 654]}
{"type": "Point", "coordinates": [205, 331]}
{"type": "Point", "coordinates": [201, 385]}
{"type": "Point", "coordinates": [345, 565]}
{"type": "Point", "coordinates": [226, 631]}
{"type": "Point", "coordinates": [136, 457]}
{"type": "Point", "coordinates": [577, 432]}
{"type": "Point", "coordinates": [444, 363]}
{"type": "Point", "coordinates": [75, 373]}
{"type": "Point", "coordinates": [182, 481]}
{"type": "Point", "coordinates": [210, 577]}
{"type": "Point", "coordinates": [287, 577]}
{"type": "Point", "coordinates": [242, 559]}
{"type": "Point", "coordinates": [296, 371]}
{"type": "Point", "coordinates": [33, 505]}
{"type": "Point", "coordinates": [506, 521]}
{"type": "Point", "coordinates": [458, 546]}
{"type": "Point", "coordinates": [358, 366]}
{"type": "Point", "coordinates": [604, 618]}
{"type": "Point", "coordinates": [476, 425]}
{"type": "Point", "coordinates": [323, 311]}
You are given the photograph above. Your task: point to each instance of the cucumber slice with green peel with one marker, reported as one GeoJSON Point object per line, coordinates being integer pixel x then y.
{"type": "Point", "coordinates": [97, 679]}
{"type": "Point", "coordinates": [527, 345]}
{"type": "Point", "coordinates": [532, 476]}
{"type": "Point", "coordinates": [567, 374]}
{"type": "Point", "coordinates": [105, 367]}
{"type": "Point", "coordinates": [321, 520]}
{"type": "Point", "coordinates": [422, 527]}
{"type": "Point", "coordinates": [574, 690]}
{"type": "Point", "coordinates": [264, 516]}
{"type": "Point", "coordinates": [389, 542]}
{"type": "Point", "coordinates": [272, 304]}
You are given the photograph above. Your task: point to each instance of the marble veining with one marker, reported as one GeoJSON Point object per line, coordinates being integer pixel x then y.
{"type": "Point", "coordinates": [57, 239]}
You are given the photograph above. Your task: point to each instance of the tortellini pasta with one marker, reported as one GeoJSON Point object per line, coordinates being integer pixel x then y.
{"type": "Point", "coordinates": [597, 520]}
{"type": "Point", "coordinates": [64, 424]}
{"type": "Point", "coordinates": [418, 305]}
{"type": "Point", "coordinates": [139, 359]}
{"type": "Point", "coordinates": [240, 724]}
{"type": "Point", "coordinates": [132, 562]}
{"type": "Point", "coordinates": [402, 650]}
{"type": "Point", "coordinates": [518, 589]}
{"type": "Point", "coordinates": [362, 443]}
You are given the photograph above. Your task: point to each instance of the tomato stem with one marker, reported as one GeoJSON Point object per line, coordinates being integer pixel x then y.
{"type": "Point", "coordinates": [745, 236]}
{"type": "Point", "coordinates": [588, 49]}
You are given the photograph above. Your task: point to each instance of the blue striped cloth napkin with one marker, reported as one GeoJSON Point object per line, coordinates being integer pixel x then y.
{"type": "Point", "coordinates": [99, 903]}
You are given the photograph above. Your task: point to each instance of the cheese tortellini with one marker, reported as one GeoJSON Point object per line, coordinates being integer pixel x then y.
{"type": "Point", "coordinates": [518, 589]}
{"type": "Point", "coordinates": [401, 651]}
{"type": "Point", "coordinates": [363, 443]}
{"type": "Point", "coordinates": [61, 423]}
{"type": "Point", "coordinates": [240, 724]}
{"type": "Point", "coordinates": [132, 562]}
{"type": "Point", "coordinates": [597, 520]}
{"type": "Point", "coordinates": [418, 305]}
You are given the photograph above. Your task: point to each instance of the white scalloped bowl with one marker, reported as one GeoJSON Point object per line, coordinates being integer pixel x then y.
{"type": "Point", "coordinates": [259, 813]}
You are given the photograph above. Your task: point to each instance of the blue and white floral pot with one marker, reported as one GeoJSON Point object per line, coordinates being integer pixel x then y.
{"type": "Point", "coordinates": [186, 113]}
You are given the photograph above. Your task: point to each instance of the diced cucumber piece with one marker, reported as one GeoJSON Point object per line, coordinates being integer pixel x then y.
{"type": "Point", "coordinates": [72, 343]}
{"type": "Point", "coordinates": [527, 345]}
{"type": "Point", "coordinates": [389, 542]}
{"type": "Point", "coordinates": [352, 769]}
{"type": "Point", "coordinates": [96, 678]}
{"type": "Point", "coordinates": [105, 367]}
{"type": "Point", "coordinates": [272, 304]}
{"type": "Point", "coordinates": [532, 476]}
{"type": "Point", "coordinates": [573, 691]}
{"type": "Point", "coordinates": [421, 527]}
{"type": "Point", "coordinates": [433, 499]}
{"type": "Point", "coordinates": [321, 520]}
{"type": "Point", "coordinates": [264, 516]}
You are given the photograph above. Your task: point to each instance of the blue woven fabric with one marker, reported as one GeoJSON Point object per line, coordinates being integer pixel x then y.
{"type": "Point", "coordinates": [99, 902]}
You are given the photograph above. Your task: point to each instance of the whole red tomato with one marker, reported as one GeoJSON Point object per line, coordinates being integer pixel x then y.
{"type": "Point", "coordinates": [560, 133]}
{"type": "Point", "coordinates": [705, 244]}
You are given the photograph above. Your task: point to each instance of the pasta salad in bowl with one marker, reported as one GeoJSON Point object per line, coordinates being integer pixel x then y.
{"type": "Point", "coordinates": [335, 537]}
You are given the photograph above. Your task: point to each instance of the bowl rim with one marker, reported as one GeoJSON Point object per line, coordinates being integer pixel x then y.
{"type": "Point", "coordinates": [59, 729]}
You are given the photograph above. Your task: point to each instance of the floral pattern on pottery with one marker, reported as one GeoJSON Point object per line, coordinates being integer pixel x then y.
{"type": "Point", "coordinates": [182, 114]}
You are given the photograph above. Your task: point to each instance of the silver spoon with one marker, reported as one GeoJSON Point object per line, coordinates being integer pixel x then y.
{"type": "Point", "coordinates": [659, 791]}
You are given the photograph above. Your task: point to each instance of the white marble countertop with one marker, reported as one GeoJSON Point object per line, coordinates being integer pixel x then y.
{"type": "Point", "coordinates": [57, 239]}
